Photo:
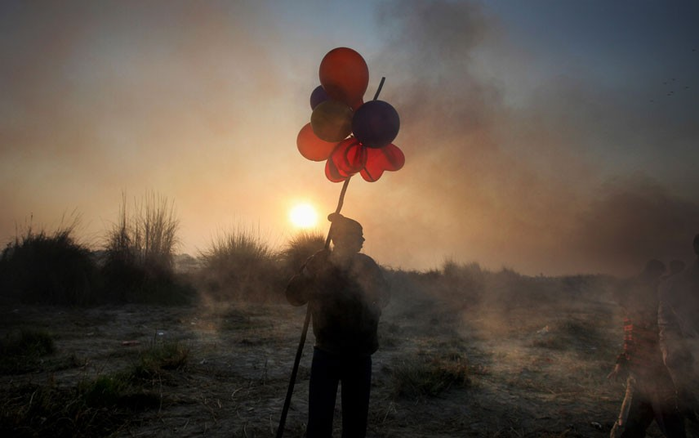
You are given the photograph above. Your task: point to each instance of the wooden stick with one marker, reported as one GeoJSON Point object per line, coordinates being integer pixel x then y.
{"type": "Point", "coordinates": [378, 90]}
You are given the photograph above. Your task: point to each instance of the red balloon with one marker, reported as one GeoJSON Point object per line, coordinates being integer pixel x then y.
{"type": "Point", "coordinates": [349, 157]}
{"type": "Point", "coordinates": [318, 96]}
{"type": "Point", "coordinates": [376, 124]}
{"type": "Point", "coordinates": [331, 172]}
{"type": "Point", "coordinates": [311, 147]}
{"type": "Point", "coordinates": [389, 158]}
{"type": "Point", "coordinates": [344, 75]}
{"type": "Point", "coordinates": [332, 120]}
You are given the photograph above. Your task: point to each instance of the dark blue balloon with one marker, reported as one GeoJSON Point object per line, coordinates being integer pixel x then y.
{"type": "Point", "coordinates": [318, 96]}
{"type": "Point", "coordinates": [375, 124]}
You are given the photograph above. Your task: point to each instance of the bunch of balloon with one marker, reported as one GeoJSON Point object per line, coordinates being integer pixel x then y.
{"type": "Point", "coordinates": [351, 136]}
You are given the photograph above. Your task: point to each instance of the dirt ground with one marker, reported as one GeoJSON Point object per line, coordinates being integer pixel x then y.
{"type": "Point", "coordinates": [534, 370]}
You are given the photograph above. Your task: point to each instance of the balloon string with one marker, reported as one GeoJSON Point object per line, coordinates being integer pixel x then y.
{"type": "Point", "coordinates": [340, 202]}
{"type": "Point", "coordinates": [378, 90]}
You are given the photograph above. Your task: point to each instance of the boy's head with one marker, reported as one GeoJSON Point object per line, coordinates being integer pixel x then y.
{"type": "Point", "coordinates": [345, 233]}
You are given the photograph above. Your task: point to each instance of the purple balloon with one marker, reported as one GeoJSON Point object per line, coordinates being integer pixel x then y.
{"type": "Point", "coordinates": [318, 96]}
{"type": "Point", "coordinates": [375, 124]}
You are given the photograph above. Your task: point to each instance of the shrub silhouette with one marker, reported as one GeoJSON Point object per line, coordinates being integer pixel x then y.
{"type": "Point", "coordinates": [299, 248]}
{"type": "Point", "coordinates": [239, 265]}
{"type": "Point", "coordinates": [140, 249]}
{"type": "Point", "coordinates": [43, 268]}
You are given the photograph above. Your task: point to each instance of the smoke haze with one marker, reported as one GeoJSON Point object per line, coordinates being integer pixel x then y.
{"type": "Point", "coordinates": [527, 185]}
{"type": "Point", "coordinates": [558, 155]}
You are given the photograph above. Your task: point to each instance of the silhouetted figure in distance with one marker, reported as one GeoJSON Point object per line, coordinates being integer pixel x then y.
{"type": "Point", "coordinates": [346, 291]}
{"type": "Point", "coordinates": [678, 321]}
{"type": "Point", "coordinates": [650, 392]}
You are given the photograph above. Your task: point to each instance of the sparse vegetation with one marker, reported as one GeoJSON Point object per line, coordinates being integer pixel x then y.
{"type": "Point", "coordinates": [443, 369]}
{"type": "Point", "coordinates": [161, 357]}
{"type": "Point", "coordinates": [465, 351]}
{"type": "Point", "coordinates": [21, 350]}
{"type": "Point", "coordinates": [570, 334]}
{"type": "Point", "coordinates": [35, 410]}
{"type": "Point", "coordinates": [429, 375]}
{"type": "Point", "coordinates": [95, 407]}
{"type": "Point", "coordinates": [28, 343]}
{"type": "Point", "coordinates": [140, 249]}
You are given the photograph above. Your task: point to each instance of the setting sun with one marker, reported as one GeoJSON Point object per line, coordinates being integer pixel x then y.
{"type": "Point", "coordinates": [303, 216]}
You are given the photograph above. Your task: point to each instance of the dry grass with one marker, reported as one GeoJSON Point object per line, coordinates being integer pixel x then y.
{"type": "Point", "coordinates": [449, 365]}
{"type": "Point", "coordinates": [140, 249]}
{"type": "Point", "coordinates": [93, 406]}
{"type": "Point", "coordinates": [240, 266]}
{"type": "Point", "coordinates": [48, 268]}
{"type": "Point", "coordinates": [427, 375]}
{"type": "Point", "coordinates": [146, 237]}
{"type": "Point", "coordinates": [299, 248]}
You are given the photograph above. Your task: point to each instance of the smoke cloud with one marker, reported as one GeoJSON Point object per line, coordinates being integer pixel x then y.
{"type": "Point", "coordinates": [532, 186]}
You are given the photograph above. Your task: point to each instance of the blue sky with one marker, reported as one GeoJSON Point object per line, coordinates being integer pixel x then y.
{"type": "Point", "coordinates": [547, 136]}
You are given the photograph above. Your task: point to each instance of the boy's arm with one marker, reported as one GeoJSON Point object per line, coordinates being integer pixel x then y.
{"type": "Point", "coordinates": [296, 290]}
{"type": "Point", "coordinates": [299, 289]}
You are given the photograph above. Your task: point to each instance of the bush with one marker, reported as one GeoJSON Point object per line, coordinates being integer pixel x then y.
{"type": "Point", "coordinates": [241, 266]}
{"type": "Point", "coordinates": [43, 268]}
{"type": "Point", "coordinates": [299, 249]}
{"type": "Point", "coordinates": [139, 259]}
{"type": "Point", "coordinates": [464, 283]}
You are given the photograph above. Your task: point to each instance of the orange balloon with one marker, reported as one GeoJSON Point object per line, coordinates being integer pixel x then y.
{"type": "Point", "coordinates": [332, 120]}
{"type": "Point", "coordinates": [311, 147]}
{"type": "Point", "coordinates": [344, 75]}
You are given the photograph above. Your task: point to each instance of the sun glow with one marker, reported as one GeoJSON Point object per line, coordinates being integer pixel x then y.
{"type": "Point", "coordinates": [303, 216]}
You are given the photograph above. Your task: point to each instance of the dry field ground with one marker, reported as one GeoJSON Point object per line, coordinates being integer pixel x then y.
{"type": "Point", "coordinates": [530, 368]}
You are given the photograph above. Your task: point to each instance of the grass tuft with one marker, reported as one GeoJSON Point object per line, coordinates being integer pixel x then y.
{"type": "Point", "coordinates": [299, 248]}
{"type": "Point", "coordinates": [240, 266]}
{"type": "Point", "coordinates": [140, 250]}
{"type": "Point", "coordinates": [22, 351]}
{"type": "Point", "coordinates": [429, 376]}
{"type": "Point", "coordinates": [97, 407]}
{"type": "Point", "coordinates": [164, 357]}
{"type": "Point", "coordinates": [39, 267]}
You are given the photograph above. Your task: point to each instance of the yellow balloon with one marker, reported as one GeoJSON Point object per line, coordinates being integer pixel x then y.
{"type": "Point", "coordinates": [332, 120]}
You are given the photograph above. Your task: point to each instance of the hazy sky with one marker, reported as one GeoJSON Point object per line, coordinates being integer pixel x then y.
{"type": "Point", "coordinates": [548, 136]}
